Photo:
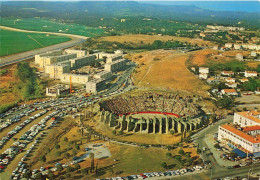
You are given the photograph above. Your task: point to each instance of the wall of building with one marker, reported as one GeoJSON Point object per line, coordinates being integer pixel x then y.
{"type": "Point", "coordinates": [115, 66]}
{"type": "Point", "coordinates": [75, 78]}
{"type": "Point", "coordinates": [243, 121]}
{"type": "Point", "coordinates": [225, 134]}
{"type": "Point", "coordinates": [82, 61]}
{"type": "Point", "coordinates": [80, 53]}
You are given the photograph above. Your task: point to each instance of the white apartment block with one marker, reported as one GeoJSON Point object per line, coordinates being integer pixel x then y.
{"type": "Point", "coordinates": [101, 55]}
{"type": "Point", "coordinates": [115, 65]}
{"type": "Point", "coordinates": [57, 90]}
{"type": "Point", "coordinates": [243, 46]}
{"type": "Point", "coordinates": [75, 78]}
{"type": "Point", "coordinates": [80, 53]}
{"type": "Point", "coordinates": [247, 118]}
{"type": "Point", "coordinates": [113, 58]}
{"type": "Point", "coordinates": [39, 57]}
{"type": "Point", "coordinates": [229, 133]}
{"type": "Point", "coordinates": [103, 75]}
{"type": "Point", "coordinates": [95, 86]}
{"type": "Point", "coordinates": [82, 61]}
{"type": "Point", "coordinates": [48, 60]}
{"type": "Point", "coordinates": [56, 70]}
{"type": "Point", "coordinates": [244, 133]}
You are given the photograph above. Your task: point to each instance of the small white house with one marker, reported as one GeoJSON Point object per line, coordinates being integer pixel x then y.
{"type": "Point", "coordinates": [203, 76]}
{"type": "Point", "coordinates": [230, 80]}
{"type": "Point", "coordinates": [229, 92]}
{"type": "Point", "coordinates": [250, 74]}
{"type": "Point", "coordinates": [231, 84]}
{"type": "Point", "coordinates": [227, 73]}
{"type": "Point", "coordinates": [203, 70]}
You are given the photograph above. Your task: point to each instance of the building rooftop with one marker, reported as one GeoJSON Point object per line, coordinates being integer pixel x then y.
{"type": "Point", "coordinates": [251, 128]}
{"type": "Point", "coordinates": [251, 72]}
{"type": "Point", "coordinates": [252, 115]}
{"type": "Point", "coordinates": [229, 90]}
{"type": "Point", "coordinates": [228, 72]}
{"type": "Point", "coordinates": [241, 134]}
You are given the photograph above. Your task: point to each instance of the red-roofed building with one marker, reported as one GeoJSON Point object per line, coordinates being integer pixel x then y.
{"type": "Point", "coordinates": [244, 133]}
{"type": "Point", "coordinates": [231, 134]}
{"type": "Point", "coordinates": [247, 118]}
{"type": "Point", "coordinates": [229, 92]}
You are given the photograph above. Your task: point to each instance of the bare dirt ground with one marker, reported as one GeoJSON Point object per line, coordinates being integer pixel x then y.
{"type": "Point", "coordinates": [7, 80]}
{"type": "Point", "coordinates": [140, 38]}
{"type": "Point", "coordinates": [166, 69]}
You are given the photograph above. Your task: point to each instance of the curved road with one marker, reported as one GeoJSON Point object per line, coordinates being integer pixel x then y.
{"type": "Point", "coordinates": [7, 60]}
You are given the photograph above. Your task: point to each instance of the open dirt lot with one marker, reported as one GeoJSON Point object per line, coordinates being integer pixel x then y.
{"type": "Point", "coordinates": [138, 38]}
{"type": "Point", "coordinates": [7, 80]}
{"type": "Point", "coordinates": [166, 69]}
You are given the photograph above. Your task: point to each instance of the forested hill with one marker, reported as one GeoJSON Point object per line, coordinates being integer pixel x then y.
{"type": "Point", "coordinates": [86, 12]}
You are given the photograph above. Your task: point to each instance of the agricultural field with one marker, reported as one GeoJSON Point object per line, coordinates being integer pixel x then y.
{"type": "Point", "coordinates": [47, 25]}
{"type": "Point", "coordinates": [13, 42]}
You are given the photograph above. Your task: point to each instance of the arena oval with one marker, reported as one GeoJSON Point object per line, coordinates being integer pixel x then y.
{"type": "Point", "coordinates": [153, 113]}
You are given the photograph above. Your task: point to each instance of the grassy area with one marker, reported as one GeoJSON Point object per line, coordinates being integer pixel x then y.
{"type": "Point", "coordinates": [166, 70]}
{"type": "Point", "coordinates": [47, 25]}
{"type": "Point", "coordinates": [16, 42]}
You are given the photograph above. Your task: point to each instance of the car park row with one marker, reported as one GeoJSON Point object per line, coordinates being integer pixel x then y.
{"type": "Point", "coordinates": [158, 174]}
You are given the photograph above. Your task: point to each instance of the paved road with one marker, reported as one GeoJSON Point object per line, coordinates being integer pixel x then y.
{"type": "Point", "coordinates": [7, 60]}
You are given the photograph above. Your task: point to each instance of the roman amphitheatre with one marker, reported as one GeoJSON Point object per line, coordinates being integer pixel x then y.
{"type": "Point", "coordinates": [160, 116]}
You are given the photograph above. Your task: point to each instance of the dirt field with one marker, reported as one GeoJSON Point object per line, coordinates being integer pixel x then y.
{"type": "Point", "coordinates": [163, 69]}
{"type": "Point", "coordinates": [138, 38]}
{"type": "Point", "coordinates": [7, 80]}
{"type": "Point", "coordinates": [200, 58]}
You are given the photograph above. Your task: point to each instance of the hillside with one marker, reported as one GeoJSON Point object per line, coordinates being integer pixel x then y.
{"type": "Point", "coordinates": [88, 12]}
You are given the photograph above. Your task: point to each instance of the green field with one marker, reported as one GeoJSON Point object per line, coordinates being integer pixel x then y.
{"type": "Point", "coordinates": [47, 25]}
{"type": "Point", "coordinates": [12, 42]}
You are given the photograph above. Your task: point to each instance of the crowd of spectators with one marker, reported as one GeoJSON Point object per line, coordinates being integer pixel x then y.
{"type": "Point", "coordinates": [146, 102]}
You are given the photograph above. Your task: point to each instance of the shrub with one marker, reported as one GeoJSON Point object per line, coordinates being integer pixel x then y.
{"type": "Point", "coordinates": [181, 152]}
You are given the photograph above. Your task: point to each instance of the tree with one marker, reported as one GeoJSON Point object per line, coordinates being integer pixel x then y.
{"type": "Point", "coordinates": [169, 154]}
{"type": "Point", "coordinates": [189, 161]}
{"type": "Point", "coordinates": [77, 147]}
{"type": "Point", "coordinates": [38, 176]}
{"type": "Point", "coordinates": [198, 150]}
{"type": "Point", "coordinates": [172, 132]}
{"type": "Point", "coordinates": [178, 158]}
{"type": "Point", "coordinates": [66, 155]}
{"type": "Point", "coordinates": [217, 146]}
{"type": "Point", "coordinates": [65, 139]}
{"type": "Point", "coordinates": [77, 166]}
{"type": "Point", "coordinates": [181, 152]}
{"type": "Point", "coordinates": [114, 132]}
{"type": "Point", "coordinates": [84, 171]}
{"type": "Point", "coordinates": [27, 174]}
{"type": "Point", "coordinates": [187, 154]}
{"type": "Point", "coordinates": [59, 167]}
{"type": "Point", "coordinates": [69, 169]}
{"type": "Point", "coordinates": [120, 133]}
{"type": "Point", "coordinates": [74, 152]}
{"type": "Point", "coordinates": [58, 153]}
{"type": "Point", "coordinates": [50, 175]}
{"type": "Point", "coordinates": [57, 146]}
{"type": "Point", "coordinates": [164, 165]}
{"type": "Point", "coordinates": [91, 155]}
{"type": "Point", "coordinates": [43, 158]}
